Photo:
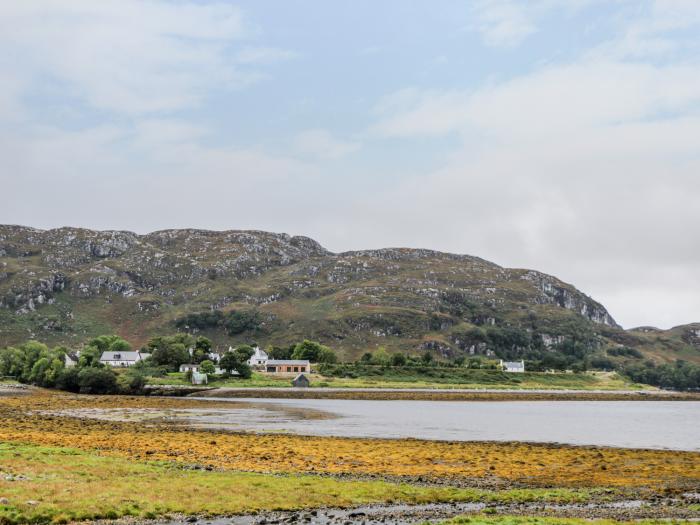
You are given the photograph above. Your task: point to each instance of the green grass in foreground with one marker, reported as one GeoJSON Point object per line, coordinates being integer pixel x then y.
{"type": "Point", "coordinates": [476, 379]}
{"type": "Point", "coordinates": [526, 520]}
{"type": "Point", "coordinates": [46, 484]}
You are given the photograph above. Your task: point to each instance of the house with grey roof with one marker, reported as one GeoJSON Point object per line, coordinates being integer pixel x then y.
{"type": "Point", "coordinates": [122, 359]}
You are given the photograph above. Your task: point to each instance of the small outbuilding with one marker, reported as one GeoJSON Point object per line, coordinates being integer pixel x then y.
{"type": "Point", "coordinates": [301, 381]}
{"type": "Point", "coordinates": [199, 379]}
{"type": "Point", "coordinates": [287, 366]}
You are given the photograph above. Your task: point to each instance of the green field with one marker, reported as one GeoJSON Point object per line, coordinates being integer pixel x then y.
{"type": "Point", "coordinates": [435, 378]}
{"type": "Point", "coordinates": [60, 485]}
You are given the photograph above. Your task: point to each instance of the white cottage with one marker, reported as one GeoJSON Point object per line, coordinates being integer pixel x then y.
{"type": "Point", "coordinates": [72, 359]}
{"type": "Point", "coordinates": [193, 367]}
{"type": "Point", "coordinates": [513, 366]}
{"type": "Point", "coordinates": [122, 359]}
{"type": "Point", "coordinates": [259, 358]}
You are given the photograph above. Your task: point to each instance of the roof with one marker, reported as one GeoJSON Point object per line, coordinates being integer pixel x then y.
{"type": "Point", "coordinates": [259, 353]}
{"type": "Point", "coordinates": [513, 364]}
{"type": "Point", "coordinates": [280, 362]}
{"type": "Point", "coordinates": [123, 356]}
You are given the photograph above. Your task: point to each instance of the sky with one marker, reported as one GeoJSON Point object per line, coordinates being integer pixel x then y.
{"type": "Point", "coordinates": [559, 135]}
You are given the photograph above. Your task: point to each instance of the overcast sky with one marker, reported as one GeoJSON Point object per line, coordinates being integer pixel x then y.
{"type": "Point", "coordinates": [562, 136]}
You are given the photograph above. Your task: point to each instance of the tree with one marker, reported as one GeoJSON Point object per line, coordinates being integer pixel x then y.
{"type": "Point", "coordinates": [202, 348]}
{"type": "Point", "coordinates": [244, 352]}
{"type": "Point", "coordinates": [230, 363]}
{"type": "Point", "coordinates": [170, 351]}
{"type": "Point", "coordinates": [311, 350]}
{"type": "Point", "coordinates": [203, 343]}
{"type": "Point", "coordinates": [110, 343]}
{"type": "Point", "coordinates": [207, 367]}
{"type": "Point", "coordinates": [11, 362]}
{"type": "Point", "coordinates": [90, 356]}
{"type": "Point", "coordinates": [244, 371]}
{"type": "Point", "coordinates": [326, 355]}
{"type": "Point", "coordinates": [239, 322]}
{"type": "Point", "coordinates": [278, 352]}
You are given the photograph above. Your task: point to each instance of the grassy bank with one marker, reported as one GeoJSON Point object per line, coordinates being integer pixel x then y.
{"type": "Point", "coordinates": [430, 378]}
{"type": "Point", "coordinates": [49, 484]}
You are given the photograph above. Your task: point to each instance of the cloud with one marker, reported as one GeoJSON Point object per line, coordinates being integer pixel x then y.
{"type": "Point", "coordinates": [587, 170]}
{"type": "Point", "coordinates": [663, 29]}
{"type": "Point", "coordinates": [321, 144]}
{"type": "Point", "coordinates": [503, 22]}
{"type": "Point", "coordinates": [99, 124]}
{"type": "Point", "coordinates": [126, 56]}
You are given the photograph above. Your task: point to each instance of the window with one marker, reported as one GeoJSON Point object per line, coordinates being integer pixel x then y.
{"type": "Point", "coordinates": [289, 369]}
{"type": "Point", "coordinates": [296, 368]}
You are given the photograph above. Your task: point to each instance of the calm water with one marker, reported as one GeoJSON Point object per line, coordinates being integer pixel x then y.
{"type": "Point", "coordinates": [636, 424]}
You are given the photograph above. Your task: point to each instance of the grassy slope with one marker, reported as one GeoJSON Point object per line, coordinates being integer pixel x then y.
{"type": "Point", "coordinates": [346, 303]}
{"type": "Point", "coordinates": [48, 484]}
{"type": "Point", "coordinates": [468, 379]}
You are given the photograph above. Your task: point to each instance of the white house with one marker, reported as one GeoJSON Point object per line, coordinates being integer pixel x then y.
{"type": "Point", "coordinates": [192, 367]}
{"type": "Point", "coordinates": [122, 359]}
{"type": "Point", "coordinates": [72, 359]}
{"type": "Point", "coordinates": [259, 358]}
{"type": "Point", "coordinates": [513, 366]}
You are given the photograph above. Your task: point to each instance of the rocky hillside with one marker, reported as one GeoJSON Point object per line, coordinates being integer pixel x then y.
{"type": "Point", "coordinates": [66, 284]}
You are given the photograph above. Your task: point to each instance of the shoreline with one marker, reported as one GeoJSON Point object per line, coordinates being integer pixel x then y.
{"type": "Point", "coordinates": [420, 394]}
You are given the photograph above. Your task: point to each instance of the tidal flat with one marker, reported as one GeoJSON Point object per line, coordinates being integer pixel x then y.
{"type": "Point", "coordinates": [57, 467]}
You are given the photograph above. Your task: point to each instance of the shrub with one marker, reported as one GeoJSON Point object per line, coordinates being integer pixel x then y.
{"type": "Point", "coordinates": [68, 380]}
{"type": "Point", "coordinates": [131, 383]}
{"type": "Point", "coordinates": [93, 380]}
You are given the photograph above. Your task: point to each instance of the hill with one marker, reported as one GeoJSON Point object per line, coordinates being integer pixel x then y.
{"type": "Point", "coordinates": [65, 285]}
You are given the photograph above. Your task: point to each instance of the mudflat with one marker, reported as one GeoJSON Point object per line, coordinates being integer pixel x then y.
{"type": "Point", "coordinates": [53, 461]}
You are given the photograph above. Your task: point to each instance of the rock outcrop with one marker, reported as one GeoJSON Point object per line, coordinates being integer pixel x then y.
{"type": "Point", "coordinates": [87, 282]}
